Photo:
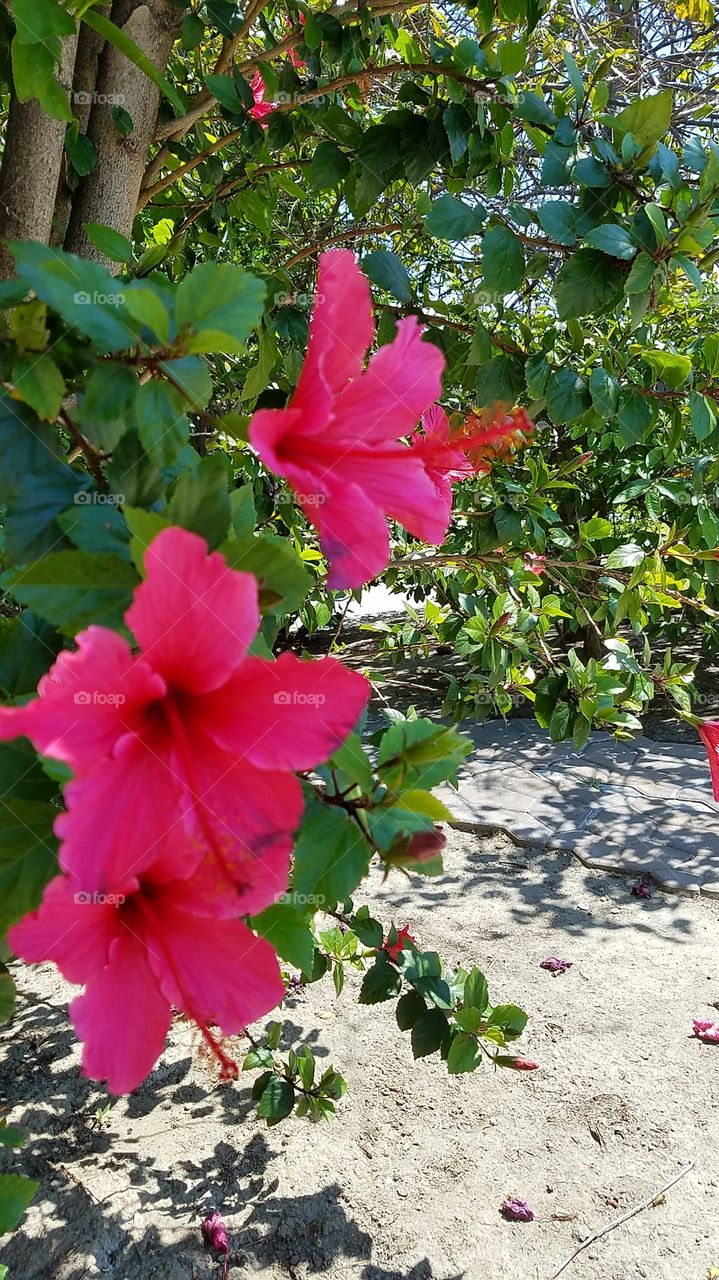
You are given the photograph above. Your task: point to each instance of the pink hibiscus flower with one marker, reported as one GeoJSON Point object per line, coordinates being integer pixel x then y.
{"type": "Point", "coordinates": [261, 108]}
{"type": "Point", "coordinates": [708, 731]}
{"type": "Point", "coordinates": [297, 62]}
{"type": "Point", "coordinates": [187, 750]}
{"type": "Point", "coordinates": [534, 563]}
{"type": "Point", "coordinates": [339, 441]}
{"type": "Point", "coordinates": [139, 953]}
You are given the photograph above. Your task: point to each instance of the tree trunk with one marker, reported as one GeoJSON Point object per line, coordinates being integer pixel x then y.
{"type": "Point", "coordinates": [31, 163]}
{"type": "Point", "coordinates": [109, 194]}
{"type": "Point", "coordinates": [89, 48]}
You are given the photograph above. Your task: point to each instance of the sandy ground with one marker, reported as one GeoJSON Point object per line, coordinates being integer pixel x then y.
{"type": "Point", "coordinates": [406, 1184]}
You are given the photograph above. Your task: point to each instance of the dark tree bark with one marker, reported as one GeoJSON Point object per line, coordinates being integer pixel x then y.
{"type": "Point", "coordinates": [109, 194]}
{"type": "Point", "coordinates": [89, 48]}
{"type": "Point", "coordinates": [31, 164]}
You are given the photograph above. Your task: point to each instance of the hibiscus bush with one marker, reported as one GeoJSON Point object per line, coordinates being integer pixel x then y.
{"type": "Point", "coordinates": [295, 298]}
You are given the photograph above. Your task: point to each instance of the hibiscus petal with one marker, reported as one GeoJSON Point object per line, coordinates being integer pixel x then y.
{"type": "Point", "coordinates": [271, 433]}
{"type": "Point", "coordinates": [245, 820]}
{"type": "Point", "coordinates": [341, 331]}
{"type": "Point", "coordinates": [400, 383]}
{"type": "Point", "coordinates": [396, 481]}
{"type": "Point", "coordinates": [287, 714]}
{"type": "Point", "coordinates": [126, 816]}
{"type": "Point", "coordinates": [217, 971]}
{"type": "Point", "coordinates": [193, 616]}
{"type": "Point", "coordinates": [68, 928]}
{"type": "Point", "coordinates": [123, 1017]}
{"type": "Point", "coordinates": [353, 535]}
{"type": "Point", "coordinates": [87, 700]}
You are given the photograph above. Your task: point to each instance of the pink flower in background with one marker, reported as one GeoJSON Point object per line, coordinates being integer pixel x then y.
{"type": "Point", "coordinates": [403, 937]}
{"type": "Point", "coordinates": [140, 952]}
{"type": "Point", "coordinates": [215, 1233]}
{"type": "Point", "coordinates": [516, 1210]}
{"type": "Point", "coordinates": [642, 888]}
{"type": "Point", "coordinates": [515, 1064]}
{"type": "Point", "coordinates": [187, 750]}
{"type": "Point", "coordinates": [555, 965]}
{"type": "Point", "coordinates": [445, 461]}
{"type": "Point", "coordinates": [706, 1031]}
{"type": "Point", "coordinates": [534, 563]}
{"type": "Point", "coordinates": [261, 108]}
{"type": "Point", "coordinates": [708, 731]}
{"type": "Point", "coordinates": [339, 441]}
{"type": "Point", "coordinates": [297, 62]}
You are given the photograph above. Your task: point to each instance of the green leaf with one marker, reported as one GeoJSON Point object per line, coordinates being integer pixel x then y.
{"type": "Point", "coordinates": [595, 528]}
{"type": "Point", "coordinates": [331, 856]}
{"type": "Point", "coordinates": [120, 40]}
{"type": "Point", "coordinates": [500, 380]}
{"type": "Point", "coordinates": [107, 405]}
{"type": "Point", "coordinates": [109, 242]}
{"type": "Point", "coordinates": [502, 261]}
{"type": "Point", "coordinates": [282, 579]}
{"type": "Point", "coordinates": [27, 857]}
{"type": "Point", "coordinates": [464, 1054]}
{"type": "Point", "coordinates": [329, 166]}
{"type": "Point", "coordinates": [74, 590]}
{"type": "Point", "coordinates": [702, 415]}
{"type": "Point", "coordinates": [200, 500]}
{"type": "Point", "coordinates": [15, 1195]}
{"type": "Point", "coordinates": [37, 21]}
{"type": "Point", "coordinates": [604, 390]}
{"type": "Point", "coordinates": [420, 754]}
{"type": "Point", "coordinates": [634, 416]}
{"type": "Point", "coordinates": [386, 270]}
{"type": "Point", "coordinates": [96, 526]}
{"type": "Point", "coordinates": [588, 284]}
{"type": "Point", "coordinates": [510, 1018]}
{"type": "Point", "coordinates": [428, 1033]}
{"type": "Point", "coordinates": [288, 933]}
{"type": "Point", "coordinates": [40, 384]}
{"type": "Point", "coordinates": [35, 485]}
{"type": "Point", "coordinates": [641, 275]}
{"type": "Point", "coordinates": [671, 368]}
{"type": "Point", "coordinates": [7, 996]}
{"type": "Point", "coordinates": [216, 307]}
{"type": "Point", "coordinates": [613, 240]}
{"type": "Point", "coordinates": [277, 1100]}
{"type": "Point", "coordinates": [380, 983]}
{"type": "Point", "coordinates": [626, 557]}
{"type": "Point", "coordinates": [647, 119]}
{"type": "Point", "coordinates": [559, 219]}
{"type": "Point", "coordinates": [81, 151]}
{"type": "Point", "coordinates": [410, 1007]}
{"type": "Point", "coordinates": [567, 396]}
{"type": "Point", "coordinates": [28, 646]}
{"type": "Point", "coordinates": [33, 77]}
{"type": "Point", "coordinates": [162, 423]}
{"type": "Point", "coordinates": [85, 295]}
{"type": "Point", "coordinates": [512, 56]}
{"type": "Point", "coordinates": [476, 992]}
{"type": "Point", "coordinates": [452, 219]}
